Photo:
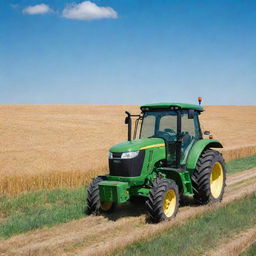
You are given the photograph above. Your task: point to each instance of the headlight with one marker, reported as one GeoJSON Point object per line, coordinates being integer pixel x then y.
{"type": "Point", "coordinates": [129, 155]}
{"type": "Point", "coordinates": [110, 155]}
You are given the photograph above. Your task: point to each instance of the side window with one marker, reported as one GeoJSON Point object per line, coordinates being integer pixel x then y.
{"type": "Point", "coordinates": [197, 126]}
{"type": "Point", "coordinates": [168, 122]}
{"type": "Point", "coordinates": [191, 131]}
{"type": "Point", "coordinates": [148, 126]}
{"type": "Point", "coordinates": [188, 125]}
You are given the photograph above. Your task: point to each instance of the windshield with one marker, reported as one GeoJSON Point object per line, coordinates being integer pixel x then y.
{"type": "Point", "coordinates": [161, 124]}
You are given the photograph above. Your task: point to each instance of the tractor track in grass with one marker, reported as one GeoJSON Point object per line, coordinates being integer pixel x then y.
{"type": "Point", "coordinates": [235, 245]}
{"type": "Point", "coordinates": [239, 176]}
{"type": "Point", "coordinates": [103, 234]}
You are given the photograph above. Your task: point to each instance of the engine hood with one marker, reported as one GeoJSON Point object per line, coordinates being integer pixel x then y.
{"type": "Point", "coordinates": [135, 145]}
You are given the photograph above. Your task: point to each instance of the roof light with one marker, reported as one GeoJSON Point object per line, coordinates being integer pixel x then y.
{"type": "Point", "coordinates": [200, 100]}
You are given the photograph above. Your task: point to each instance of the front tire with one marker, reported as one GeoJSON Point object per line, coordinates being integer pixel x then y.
{"type": "Point", "coordinates": [163, 201]}
{"type": "Point", "coordinates": [209, 178]}
{"type": "Point", "coordinates": [94, 205]}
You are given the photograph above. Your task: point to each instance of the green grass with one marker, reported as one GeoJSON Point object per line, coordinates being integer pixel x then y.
{"type": "Point", "coordinates": [42, 208]}
{"type": "Point", "coordinates": [241, 164]}
{"type": "Point", "coordinates": [34, 210]}
{"type": "Point", "coordinates": [199, 234]}
{"type": "Point", "coordinates": [251, 251]}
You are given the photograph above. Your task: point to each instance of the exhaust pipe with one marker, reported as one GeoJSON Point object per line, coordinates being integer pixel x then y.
{"type": "Point", "coordinates": [128, 121]}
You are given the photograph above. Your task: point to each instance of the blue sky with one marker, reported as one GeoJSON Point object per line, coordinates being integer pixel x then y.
{"type": "Point", "coordinates": [140, 52]}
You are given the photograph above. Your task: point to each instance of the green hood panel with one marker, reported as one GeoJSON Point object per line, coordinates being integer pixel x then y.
{"type": "Point", "coordinates": [134, 145]}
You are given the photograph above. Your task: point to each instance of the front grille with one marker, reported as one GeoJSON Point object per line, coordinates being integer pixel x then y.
{"type": "Point", "coordinates": [117, 155]}
{"type": "Point", "coordinates": [126, 167]}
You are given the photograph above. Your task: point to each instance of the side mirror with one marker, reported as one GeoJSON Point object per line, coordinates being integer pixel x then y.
{"type": "Point", "coordinates": [191, 113]}
{"type": "Point", "coordinates": [207, 132]}
{"type": "Point", "coordinates": [127, 120]}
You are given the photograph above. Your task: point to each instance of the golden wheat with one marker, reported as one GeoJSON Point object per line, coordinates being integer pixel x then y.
{"type": "Point", "coordinates": [50, 146]}
{"type": "Point", "coordinates": [28, 182]}
{"type": "Point", "coordinates": [235, 153]}
{"type": "Point", "coordinates": [16, 184]}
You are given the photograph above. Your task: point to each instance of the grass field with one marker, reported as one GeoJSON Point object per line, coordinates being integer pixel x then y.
{"type": "Point", "coordinates": [34, 210]}
{"type": "Point", "coordinates": [41, 208]}
{"type": "Point", "coordinates": [192, 238]}
{"type": "Point", "coordinates": [49, 146]}
{"type": "Point", "coordinates": [251, 251]}
{"type": "Point", "coordinates": [101, 235]}
{"type": "Point", "coordinates": [240, 164]}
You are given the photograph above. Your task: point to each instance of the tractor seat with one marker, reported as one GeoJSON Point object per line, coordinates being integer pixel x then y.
{"type": "Point", "coordinates": [186, 140]}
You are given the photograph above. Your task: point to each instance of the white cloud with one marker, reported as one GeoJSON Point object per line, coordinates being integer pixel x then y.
{"type": "Point", "coordinates": [88, 11]}
{"type": "Point", "coordinates": [37, 9]}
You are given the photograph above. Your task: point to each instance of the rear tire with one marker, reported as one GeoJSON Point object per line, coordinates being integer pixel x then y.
{"type": "Point", "coordinates": [209, 177]}
{"type": "Point", "coordinates": [163, 201]}
{"type": "Point", "coordinates": [94, 205]}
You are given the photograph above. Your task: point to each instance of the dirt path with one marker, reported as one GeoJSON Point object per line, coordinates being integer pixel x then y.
{"type": "Point", "coordinates": [239, 176]}
{"type": "Point", "coordinates": [103, 234]}
{"type": "Point", "coordinates": [235, 245]}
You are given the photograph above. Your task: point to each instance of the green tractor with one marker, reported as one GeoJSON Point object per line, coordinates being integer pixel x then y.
{"type": "Point", "coordinates": [166, 160]}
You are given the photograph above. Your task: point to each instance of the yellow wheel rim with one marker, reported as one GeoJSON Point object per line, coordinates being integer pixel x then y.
{"type": "Point", "coordinates": [216, 180]}
{"type": "Point", "coordinates": [105, 206]}
{"type": "Point", "coordinates": [169, 204]}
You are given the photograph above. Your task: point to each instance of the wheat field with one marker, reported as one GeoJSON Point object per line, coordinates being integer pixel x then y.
{"type": "Point", "coordinates": [49, 146]}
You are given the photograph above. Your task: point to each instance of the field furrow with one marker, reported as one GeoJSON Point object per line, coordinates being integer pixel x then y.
{"type": "Point", "coordinates": [103, 234]}
{"type": "Point", "coordinates": [235, 245]}
{"type": "Point", "coordinates": [240, 176]}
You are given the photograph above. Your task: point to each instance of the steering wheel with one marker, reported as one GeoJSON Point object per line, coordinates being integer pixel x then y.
{"type": "Point", "coordinates": [167, 135]}
{"type": "Point", "coordinates": [170, 131]}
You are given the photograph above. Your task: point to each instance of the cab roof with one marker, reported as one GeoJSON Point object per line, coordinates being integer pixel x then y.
{"type": "Point", "coordinates": [171, 105]}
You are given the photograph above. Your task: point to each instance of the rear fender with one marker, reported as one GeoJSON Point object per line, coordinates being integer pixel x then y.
{"type": "Point", "coordinates": [197, 150]}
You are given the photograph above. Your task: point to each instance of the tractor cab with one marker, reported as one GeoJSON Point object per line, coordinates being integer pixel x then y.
{"type": "Point", "coordinates": [177, 124]}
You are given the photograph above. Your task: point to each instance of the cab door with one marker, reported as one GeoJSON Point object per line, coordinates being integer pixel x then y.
{"type": "Point", "coordinates": [190, 131]}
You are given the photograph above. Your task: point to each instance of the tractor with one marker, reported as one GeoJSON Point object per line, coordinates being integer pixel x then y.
{"type": "Point", "coordinates": [165, 159]}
